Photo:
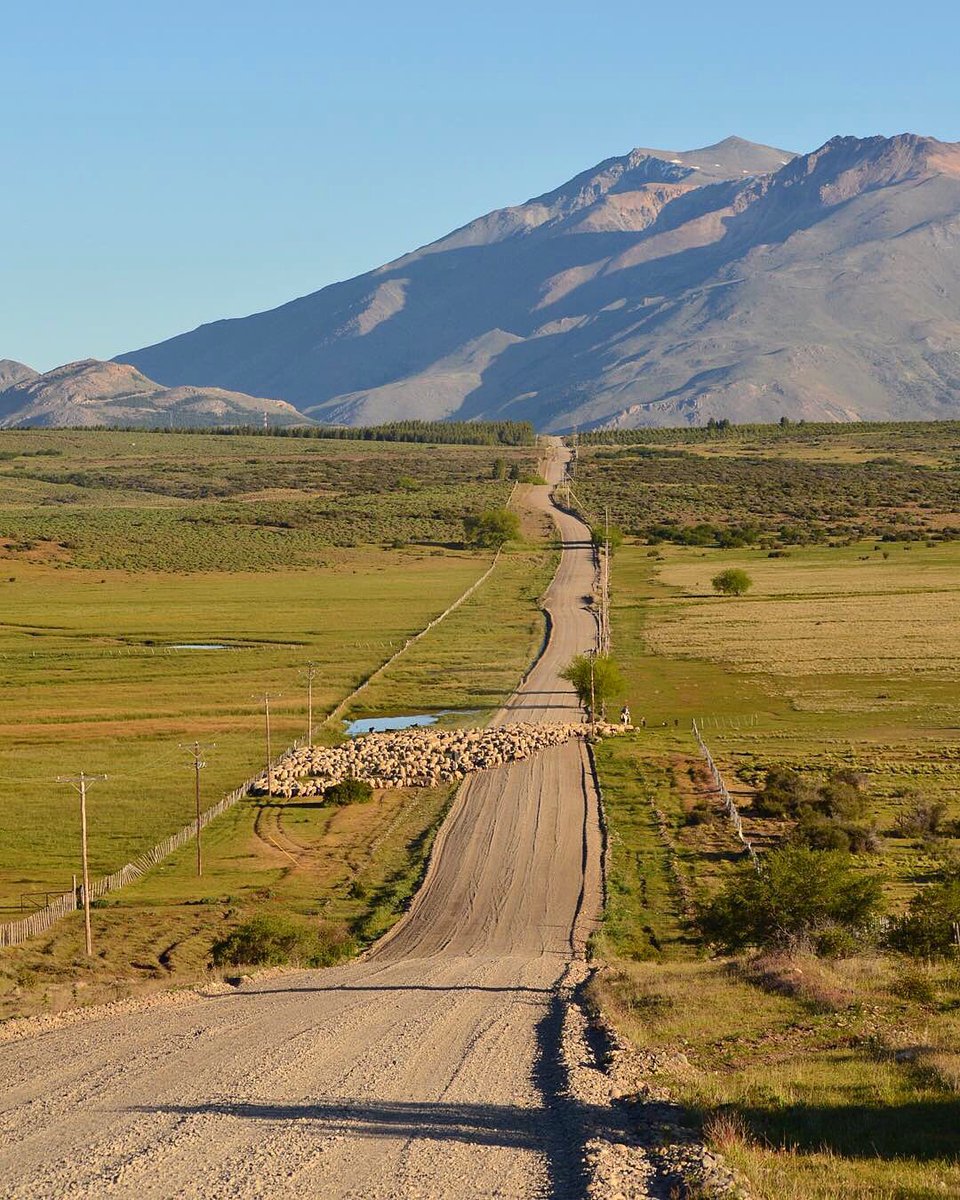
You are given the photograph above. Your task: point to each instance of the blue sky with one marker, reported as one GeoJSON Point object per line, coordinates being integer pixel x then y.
{"type": "Point", "coordinates": [171, 164]}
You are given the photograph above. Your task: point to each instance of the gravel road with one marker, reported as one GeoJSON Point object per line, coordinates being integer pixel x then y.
{"type": "Point", "coordinates": [432, 1068]}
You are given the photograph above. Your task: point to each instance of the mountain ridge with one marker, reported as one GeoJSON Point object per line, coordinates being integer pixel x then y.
{"type": "Point", "coordinates": [736, 281]}
{"type": "Point", "coordinates": [93, 392]}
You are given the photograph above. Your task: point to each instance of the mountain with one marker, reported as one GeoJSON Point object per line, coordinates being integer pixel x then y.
{"type": "Point", "coordinates": [14, 372]}
{"type": "Point", "coordinates": [661, 287]}
{"type": "Point", "coordinates": [105, 393]}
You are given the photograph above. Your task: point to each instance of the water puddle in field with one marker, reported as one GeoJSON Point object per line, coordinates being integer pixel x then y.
{"type": "Point", "coordinates": [382, 724]}
{"type": "Point", "coordinates": [198, 646]}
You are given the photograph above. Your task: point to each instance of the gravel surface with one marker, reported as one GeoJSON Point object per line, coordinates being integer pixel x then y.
{"type": "Point", "coordinates": [452, 1061]}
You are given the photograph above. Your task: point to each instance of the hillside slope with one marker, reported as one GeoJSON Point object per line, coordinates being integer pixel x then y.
{"type": "Point", "coordinates": [661, 287]}
{"type": "Point", "coordinates": [103, 393]}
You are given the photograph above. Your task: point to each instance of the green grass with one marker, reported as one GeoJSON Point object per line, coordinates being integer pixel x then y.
{"type": "Point", "coordinates": [847, 1083]}
{"type": "Point", "coordinates": [825, 1101]}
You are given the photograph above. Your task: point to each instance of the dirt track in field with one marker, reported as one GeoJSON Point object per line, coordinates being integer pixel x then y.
{"type": "Point", "coordinates": [433, 1068]}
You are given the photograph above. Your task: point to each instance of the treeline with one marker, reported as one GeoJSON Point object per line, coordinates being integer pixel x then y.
{"type": "Point", "coordinates": [460, 433]}
{"type": "Point", "coordinates": [447, 433]}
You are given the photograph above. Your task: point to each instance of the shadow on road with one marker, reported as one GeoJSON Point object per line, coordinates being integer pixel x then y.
{"type": "Point", "coordinates": [504, 1125]}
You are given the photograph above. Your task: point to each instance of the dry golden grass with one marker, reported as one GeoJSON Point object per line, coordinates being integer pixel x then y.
{"type": "Point", "coordinates": [816, 616]}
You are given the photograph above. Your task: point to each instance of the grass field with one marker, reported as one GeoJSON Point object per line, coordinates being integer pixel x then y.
{"type": "Point", "coordinates": [187, 503]}
{"type": "Point", "coordinates": [817, 1078]}
{"type": "Point", "coordinates": [92, 678]}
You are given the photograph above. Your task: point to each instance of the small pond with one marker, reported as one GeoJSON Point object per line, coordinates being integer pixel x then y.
{"type": "Point", "coordinates": [198, 646]}
{"type": "Point", "coordinates": [381, 724]}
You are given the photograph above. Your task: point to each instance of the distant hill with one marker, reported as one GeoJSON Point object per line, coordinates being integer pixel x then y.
{"type": "Point", "coordinates": [104, 393]}
{"type": "Point", "coordinates": [662, 287]}
{"type": "Point", "coordinates": [14, 372]}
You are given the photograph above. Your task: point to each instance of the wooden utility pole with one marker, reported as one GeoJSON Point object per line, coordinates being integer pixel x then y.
{"type": "Point", "coordinates": [266, 724]}
{"type": "Point", "coordinates": [79, 783]}
{"type": "Point", "coordinates": [310, 673]}
{"type": "Point", "coordinates": [196, 750]}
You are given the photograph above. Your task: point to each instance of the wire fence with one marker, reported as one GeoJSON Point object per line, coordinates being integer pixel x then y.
{"type": "Point", "coordinates": [728, 803]}
{"type": "Point", "coordinates": [375, 674]}
{"type": "Point", "coordinates": [13, 933]}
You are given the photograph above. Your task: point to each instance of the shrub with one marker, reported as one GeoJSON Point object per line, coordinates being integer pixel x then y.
{"type": "Point", "coordinates": [348, 791]}
{"type": "Point", "coordinates": [915, 984]}
{"type": "Point", "coordinates": [826, 833]}
{"type": "Point", "coordinates": [921, 819]}
{"type": "Point", "coordinates": [732, 582]}
{"type": "Point", "coordinates": [778, 796]}
{"type": "Point", "coordinates": [491, 529]}
{"type": "Point", "coordinates": [797, 892]}
{"type": "Point", "coordinates": [700, 813]}
{"type": "Point", "coordinates": [931, 925]}
{"type": "Point", "coordinates": [820, 833]}
{"type": "Point", "coordinates": [273, 940]}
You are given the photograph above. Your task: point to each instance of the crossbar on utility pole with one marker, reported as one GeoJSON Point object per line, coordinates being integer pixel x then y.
{"type": "Point", "coordinates": [80, 783]}
{"type": "Point", "coordinates": [196, 751]}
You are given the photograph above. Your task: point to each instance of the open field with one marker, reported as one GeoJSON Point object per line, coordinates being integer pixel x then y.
{"type": "Point", "coordinates": [844, 1076]}
{"type": "Point", "coordinates": [92, 680]}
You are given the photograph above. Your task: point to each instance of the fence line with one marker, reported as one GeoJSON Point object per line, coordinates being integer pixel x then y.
{"type": "Point", "coordinates": [732, 811]}
{"type": "Point", "coordinates": [375, 674]}
{"type": "Point", "coordinates": [14, 932]}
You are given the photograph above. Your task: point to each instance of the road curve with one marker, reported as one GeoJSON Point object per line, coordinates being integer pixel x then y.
{"type": "Point", "coordinates": [432, 1068]}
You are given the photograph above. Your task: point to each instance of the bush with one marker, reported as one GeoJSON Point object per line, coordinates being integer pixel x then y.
{"type": "Point", "coordinates": [491, 529]}
{"type": "Point", "coordinates": [797, 893]}
{"type": "Point", "coordinates": [349, 791]}
{"type": "Point", "coordinates": [779, 796]}
{"type": "Point", "coordinates": [820, 833]}
{"type": "Point", "coordinates": [930, 927]}
{"type": "Point", "coordinates": [732, 582]}
{"type": "Point", "coordinates": [786, 793]}
{"type": "Point", "coordinates": [921, 819]}
{"type": "Point", "coordinates": [826, 833]}
{"type": "Point", "coordinates": [273, 940]}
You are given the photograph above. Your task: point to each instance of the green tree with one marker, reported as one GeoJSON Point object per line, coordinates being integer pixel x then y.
{"type": "Point", "coordinates": [732, 582]}
{"type": "Point", "coordinates": [600, 533]}
{"type": "Point", "coordinates": [607, 685]}
{"type": "Point", "coordinates": [797, 893]}
{"type": "Point", "coordinates": [491, 529]}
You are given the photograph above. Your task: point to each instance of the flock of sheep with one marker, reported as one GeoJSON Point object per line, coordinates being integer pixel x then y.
{"type": "Point", "coordinates": [415, 757]}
